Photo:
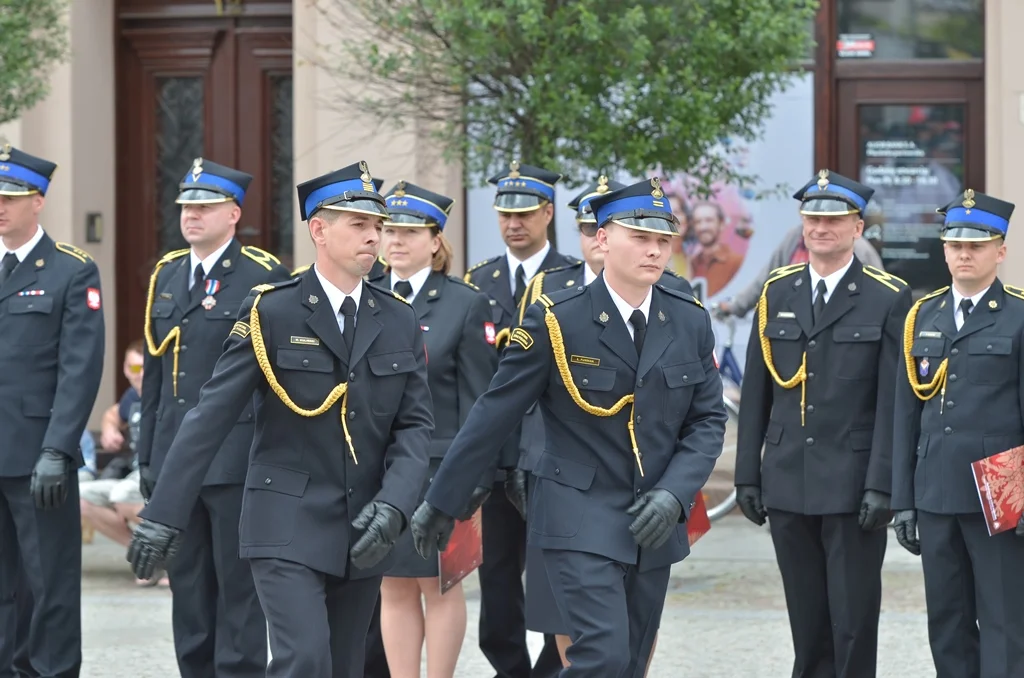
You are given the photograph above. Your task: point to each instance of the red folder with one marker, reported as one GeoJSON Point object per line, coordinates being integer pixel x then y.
{"type": "Point", "coordinates": [699, 523]}
{"type": "Point", "coordinates": [464, 553]}
{"type": "Point", "coordinates": [1000, 483]}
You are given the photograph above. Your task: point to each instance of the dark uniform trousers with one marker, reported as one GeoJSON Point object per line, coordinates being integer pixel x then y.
{"type": "Point", "coordinates": [51, 362]}
{"type": "Point", "coordinates": [304, 485]}
{"type": "Point", "coordinates": [609, 591]}
{"type": "Point", "coordinates": [219, 629]}
{"type": "Point", "coordinates": [974, 586]}
{"type": "Point", "coordinates": [454, 317]}
{"type": "Point", "coordinates": [818, 462]}
{"type": "Point", "coordinates": [502, 631]}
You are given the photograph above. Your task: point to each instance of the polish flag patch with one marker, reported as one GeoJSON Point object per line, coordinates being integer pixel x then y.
{"type": "Point", "coordinates": [489, 333]}
{"type": "Point", "coordinates": [92, 298]}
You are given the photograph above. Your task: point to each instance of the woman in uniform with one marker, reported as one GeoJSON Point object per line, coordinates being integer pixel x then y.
{"type": "Point", "coordinates": [461, 359]}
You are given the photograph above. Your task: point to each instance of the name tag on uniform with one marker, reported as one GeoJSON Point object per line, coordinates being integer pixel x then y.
{"type": "Point", "coordinates": [305, 341]}
{"type": "Point", "coordinates": [786, 314]}
{"type": "Point", "coordinates": [584, 360]}
{"type": "Point", "coordinates": [166, 295]}
{"type": "Point", "coordinates": [930, 335]}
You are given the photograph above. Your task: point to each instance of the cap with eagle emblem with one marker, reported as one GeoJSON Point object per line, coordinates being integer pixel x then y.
{"type": "Point", "coordinates": [524, 188]}
{"type": "Point", "coordinates": [975, 217]}
{"type": "Point", "coordinates": [581, 203]}
{"type": "Point", "coordinates": [641, 206]}
{"type": "Point", "coordinates": [349, 189]}
{"type": "Point", "coordinates": [832, 194]}
{"type": "Point", "coordinates": [208, 183]}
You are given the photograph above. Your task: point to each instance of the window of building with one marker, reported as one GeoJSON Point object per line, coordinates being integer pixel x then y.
{"type": "Point", "coordinates": [910, 29]}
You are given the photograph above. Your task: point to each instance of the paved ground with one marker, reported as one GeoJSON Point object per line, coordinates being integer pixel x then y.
{"type": "Point", "coordinates": [725, 616]}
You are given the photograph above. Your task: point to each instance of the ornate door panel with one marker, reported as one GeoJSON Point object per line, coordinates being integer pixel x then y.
{"type": "Point", "coordinates": [193, 84]}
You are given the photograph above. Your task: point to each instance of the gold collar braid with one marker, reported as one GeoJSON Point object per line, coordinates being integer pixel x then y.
{"type": "Point", "coordinates": [175, 333]}
{"type": "Point", "coordinates": [339, 391]}
{"type": "Point", "coordinates": [927, 391]}
{"type": "Point", "coordinates": [558, 348]}
{"type": "Point", "coordinates": [766, 346]}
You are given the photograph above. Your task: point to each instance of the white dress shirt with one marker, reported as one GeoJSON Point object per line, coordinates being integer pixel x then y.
{"type": "Point", "coordinates": [416, 280]}
{"type": "Point", "coordinates": [958, 317]}
{"type": "Point", "coordinates": [530, 266]}
{"type": "Point", "coordinates": [26, 249]}
{"type": "Point", "coordinates": [208, 263]}
{"type": "Point", "coordinates": [336, 297]}
{"type": "Point", "coordinates": [626, 310]}
{"type": "Point", "coordinates": [831, 280]}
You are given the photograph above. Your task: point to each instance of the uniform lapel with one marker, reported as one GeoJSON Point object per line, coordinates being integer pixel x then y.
{"type": "Point", "coordinates": [984, 315]}
{"type": "Point", "coordinates": [24, 274]}
{"type": "Point", "coordinates": [179, 283]}
{"type": "Point", "coordinates": [367, 324]}
{"type": "Point", "coordinates": [323, 319]}
{"type": "Point", "coordinates": [497, 287]}
{"type": "Point", "coordinates": [843, 298]}
{"type": "Point", "coordinates": [615, 335]}
{"type": "Point", "coordinates": [798, 301]}
{"type": "Point", "coordinates": [943, 319]}
{"type": "Point", "coordinates": [429, 294]}
{"type": "Point", "coordinates": [658, 337]}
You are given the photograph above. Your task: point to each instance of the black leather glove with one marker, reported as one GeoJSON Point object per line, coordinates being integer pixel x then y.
{"type": "Point", "coordinates": [383, 524]}
{"type": "Point", "coordinates": [905, 526]}
{"type": "Point", "coordinates": [480, 495]}
{"type": "Point", "coordinates": [657, 516]}
{"type": "Point", "coordinates": [1020, 527]}
{"type": "Point", "coordinates": [147, 481]}
{"type": "Point", "coordinates": [515, 490]}
{"type": "Point", "coordinates": [431, 528]}
{"type": "Point", "coordinates": [748, 498]}
{"type": "Point", "coordinates": [49, 486]}
{"type": "Point", "coordinates": [874, 510]}
{"type": "Point", "coordinates": [153, 545]}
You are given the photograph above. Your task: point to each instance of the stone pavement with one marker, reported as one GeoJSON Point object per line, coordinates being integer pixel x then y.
{"type": "Point", "coordinates": [725, 616]}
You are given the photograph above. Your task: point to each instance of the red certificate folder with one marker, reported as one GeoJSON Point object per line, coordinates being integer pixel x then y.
{"type": "Point", "coordinates": [699, 523]}
{"type": "Point", "coordinates": [1000, 483]}
{"type": "Point", "coordinates": [464, 553]}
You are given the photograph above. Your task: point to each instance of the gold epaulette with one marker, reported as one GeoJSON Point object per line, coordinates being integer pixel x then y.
{"type": "Point", "coordinates": [300, 270]}
{"type": "Point", "coordinates": [766, 347]}
{"type": "Point", "coordinates": [261, 257]}
{"type": "Point", "coordinates": [263, 360]}
{"type": "Point", "coordinates": [679, 294]}
{"type": "Point", "coordinates": [938, 383]}
{"type": "Point", "coordinates": [73, 251]}
{"type": "Point", "coordinates": [174, 335]}
{"type": "Point", "coordinates": [473, 268]}
{"type": "Point", "coordinates": [884, 278]}
{"type": "Point", "coordinates": [1014, 291]}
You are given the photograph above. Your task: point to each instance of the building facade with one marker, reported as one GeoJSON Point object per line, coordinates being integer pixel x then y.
{"type": "Point", "coordinates": [917, 98]}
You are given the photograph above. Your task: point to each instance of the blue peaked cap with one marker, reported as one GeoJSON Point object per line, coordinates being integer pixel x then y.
{"type": "Point", "coordinates": [208, 183]}
{"type": "Point", "coordinates": [23, 174]}
{"type": "Point", "coordinates": [975, 216]}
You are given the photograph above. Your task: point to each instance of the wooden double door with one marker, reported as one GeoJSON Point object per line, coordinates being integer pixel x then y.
{"type": "Point", "coordinates": [195, 81]}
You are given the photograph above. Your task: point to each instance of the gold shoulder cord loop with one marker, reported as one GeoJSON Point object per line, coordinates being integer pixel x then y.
{"type": "Point", "coordinates": [558, 348]}
{"type": "Point", "coordinates": [927, 391]}
{"type": "Point", "coordinates": [766, 348]}
{"type": "Point", "coordinates": [339, 391]}
{"type": "Point", "coordinates": [534, 289]}
{"type": "Point", "coordinates": [175, 333]}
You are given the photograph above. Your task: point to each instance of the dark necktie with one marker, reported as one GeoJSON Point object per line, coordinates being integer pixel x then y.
{"type": "Point", "coordinates": [403, 288]}
{"type": "Point", "coordinates": [7, 266]}
{"type": "Point", "coordinates": [198, 282]}
{"type": "Point", "coordinates": [639, 323]}
{"type": "Point", "coordinates": [965, 309]}
{"type": "Point", "coordinates": [520, 284]}
{"type": "Point", "coordinates": [819, 300]}
{"type": "Point", "coordinates": [348, 310]}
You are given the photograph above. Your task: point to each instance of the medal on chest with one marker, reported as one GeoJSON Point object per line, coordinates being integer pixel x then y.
{"type": "Point", "coordinates": [922, 367]}
{"type": "Point", "coordinates": [211, 289]}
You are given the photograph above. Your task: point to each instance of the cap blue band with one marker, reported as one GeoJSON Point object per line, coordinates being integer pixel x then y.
{"type": "Point", "coordinates": [421, 205]}
{"type": "Point", "coordinates": [25, 175]}
{"type": "Point", "coordinates": [584, 202]}
{"type": "Point", "coordinates": [333, 191]}
{"type": "Point", "coordinates": [633, 202]}
{"type": "Point", "coordinates": [860, 202]}
{"type": "Point", "coordinates": [960, 215]}
{"type": "Point", "coordinates": [508, 185]}
{"type": "Point", "coordinates": [230, 187]}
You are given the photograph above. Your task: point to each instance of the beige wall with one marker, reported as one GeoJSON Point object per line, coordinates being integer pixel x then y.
{"type": "Point", "coordinates": [74, 127]}
{"type": "Point", "coordinates": [327, 138]}
{"type": "Point", "coordinates": [1004, 122]}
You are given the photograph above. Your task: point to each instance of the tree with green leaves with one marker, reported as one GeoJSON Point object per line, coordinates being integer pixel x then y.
{"type": "Point", "coordinates": [579, 86]}
{"type": "Point", "coordinates": [34, 42]}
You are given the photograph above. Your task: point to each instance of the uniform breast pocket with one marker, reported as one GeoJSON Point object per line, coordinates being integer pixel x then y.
{"type": "Point", "coordinates": [595, 385]}
{"type": "Point", "coordinates": [162, 316]}
{"type": "Point", "coordinates": [272, 498]}
{"type": "Point", "coordinates": [857, 350]}
{"type": "Point", "coordinates": [785, 339]}
{"type": "Point", "coordinates": [225, 309]}
{"type": "Point", "coordinates": [32, 321]}
{"type": "Point", "coordinates": [306, 374]}
{"type": "Point", "coordinates": [390, 371]}
{"type": "Point", "coordinates": [680, 380]}
{"type": "Point", "coordinates": [990, 360]}
{"type": "Point", "coordinates": [927, 353]}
